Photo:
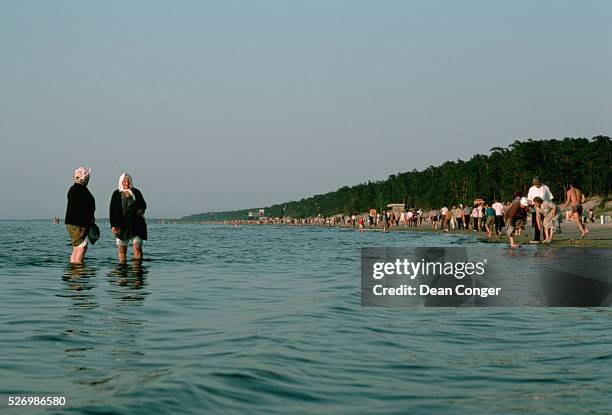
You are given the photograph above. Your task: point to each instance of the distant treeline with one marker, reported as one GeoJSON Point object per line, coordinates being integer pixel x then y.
{"type": "Point", "coordinates": [498, 175]}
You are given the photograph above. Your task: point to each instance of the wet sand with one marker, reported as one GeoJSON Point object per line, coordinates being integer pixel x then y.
{"type": "Point", "coordinates": [599, 235]}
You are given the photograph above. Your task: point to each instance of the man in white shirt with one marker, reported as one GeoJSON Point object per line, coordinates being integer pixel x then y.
{"type": "Point", "coordinates": [499, 216]}
{"type": "Point", "coordinates": [542, 191]}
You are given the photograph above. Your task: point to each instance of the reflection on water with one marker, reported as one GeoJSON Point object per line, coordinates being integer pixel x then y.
{"type": "Point", "coordinates": [102, 341]}
{"type": "Point", "coordinates": [131, 276]}
{"type": "Point", "coordinates": [76, 272]}
{"type": "Point", "coordinates": [126, 288]}
{"type": "Point", "coordinates": [78, 283]}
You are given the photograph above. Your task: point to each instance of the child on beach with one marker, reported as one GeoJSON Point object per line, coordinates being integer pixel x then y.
{"type": "Point", "coordinates": [546, 216]}
{"type": "Point", "coordinates": [490, 219]}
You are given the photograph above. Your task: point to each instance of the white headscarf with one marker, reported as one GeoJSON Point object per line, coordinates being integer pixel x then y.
{"type": "Point", "coordinates": [123, 189]}
{"type": "Point", "coordinates": [81, 175]}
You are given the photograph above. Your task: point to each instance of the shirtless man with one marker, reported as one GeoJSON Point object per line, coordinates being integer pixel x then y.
{"type": "Point", "coordinates": [576, 198]}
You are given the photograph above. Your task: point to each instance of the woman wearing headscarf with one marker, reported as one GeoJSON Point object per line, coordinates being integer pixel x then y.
{"type": "Point", "coordinates": [79, 214]}
{"type": "Point", "coordinates": [127, 208]}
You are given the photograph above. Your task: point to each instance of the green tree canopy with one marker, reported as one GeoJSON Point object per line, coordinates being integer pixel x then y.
{"type": "Point", "coordinates": [498, 175]}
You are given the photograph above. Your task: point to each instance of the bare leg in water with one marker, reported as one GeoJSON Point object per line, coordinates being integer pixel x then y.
{"type": "Point", "coordinates": [78, 255]}
{"type": "Point", "coordinates": [137, 251]}
{"type": "Point", "coordinates": [121, 253]}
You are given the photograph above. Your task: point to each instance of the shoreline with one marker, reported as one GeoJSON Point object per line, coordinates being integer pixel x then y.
{"type": "Point", "coordinates": [600, 236]}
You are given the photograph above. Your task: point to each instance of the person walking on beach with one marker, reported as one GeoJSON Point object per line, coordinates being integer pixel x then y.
{"type": "Point", "coordinates": [499, 216]}
{"type": "Point", "coordinates": [79, 214]}
{"type": "Point", "coordinates": [459, 216]}
{"type": "Point", "coordinates": [467, 211]}
{"type": "Point", "coordinates": [127, 208]}
{"type": "Point", "coordinates": [385, 222]}
{"type": "Point", "coordinates": [409, 218]}
{"type": "Point", "coordinates": [433, 218]}
{"type": "Point", "coordinates": [576, 198]}
{"type": "Point", "coordinates": [482, 216]}
{"type": "Point", "coordinates": [490, 220]}
{"type": "Point", "coordinates": [475, 217]}
{"type": "Point", "coordinates": [543, 192]}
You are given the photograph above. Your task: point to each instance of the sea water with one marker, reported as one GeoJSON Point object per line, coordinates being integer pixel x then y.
{"type": "Point", "coordinates": [268, 319]}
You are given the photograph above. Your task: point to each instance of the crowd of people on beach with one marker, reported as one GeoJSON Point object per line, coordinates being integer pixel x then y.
{"type": "Point", "coordinates": [126, 214]}
{"type": "Point", "coordinates": [493, 217]}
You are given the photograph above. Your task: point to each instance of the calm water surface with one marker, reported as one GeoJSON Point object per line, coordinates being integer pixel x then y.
{"type": "Point", "coordinates": [268, 320]}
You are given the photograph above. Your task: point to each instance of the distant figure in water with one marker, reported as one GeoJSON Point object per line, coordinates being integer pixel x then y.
{"type": "Point", "coordinates": [79, 214]}
{"type": "Point", "coordinates": [127, 208]}
{"type": "Point", "coordinates": [576, 198]}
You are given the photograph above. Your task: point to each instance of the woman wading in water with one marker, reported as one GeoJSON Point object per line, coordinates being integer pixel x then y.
{"type": "Point", "coordinates": [127, 208]}
{"type": "Point", "coordinates": [79, 214]}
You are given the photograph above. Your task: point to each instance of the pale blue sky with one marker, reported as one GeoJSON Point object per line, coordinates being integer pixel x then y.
{"type": "Point", "coordinates": [235, 104]}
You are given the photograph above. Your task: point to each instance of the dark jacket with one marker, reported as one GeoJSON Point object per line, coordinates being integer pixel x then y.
{"type": "Point", "coordinates": [138, 225]}
{"type": "Point", "coordinates": [81, 206]}
{"type": "Point", "coordinates": [516, 212]}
